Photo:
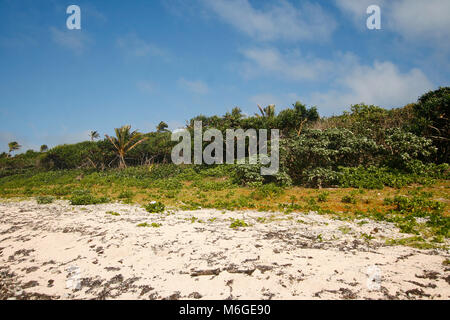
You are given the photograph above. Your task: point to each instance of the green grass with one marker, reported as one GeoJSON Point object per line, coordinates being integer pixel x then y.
{"type": "Point", "coordinates": [152, 225]}
{"type": "Point", "coordinates": [113, 213]}
{"type": "Point", "coordinates": [237, 223]}
{"type": "Point", "coordinates": [417, 210]}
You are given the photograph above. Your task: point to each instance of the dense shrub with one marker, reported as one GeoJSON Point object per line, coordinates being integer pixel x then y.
{"type": "Point", "coordinates": [432, 120]}
{"type": "Point", "coordinates": [71, 156]}
{"type": "Point", "coordinates": [326, 149]}
{"type": "Point", "coordinates": [404, 147]}
{"type": "Point", "coordinates": [155, 207]}
{"type": "Point", "coordinates": [84, 197]}
{"type": "Point", "coordinates": [44, 199]}
{"type": "Point", "coordinates": [367, 147]}
{"type": "Point", "coordinates": [250, 175]}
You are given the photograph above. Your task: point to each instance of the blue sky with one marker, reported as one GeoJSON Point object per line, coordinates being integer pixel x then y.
{"type": "Point", "coordinates": [139, 62]}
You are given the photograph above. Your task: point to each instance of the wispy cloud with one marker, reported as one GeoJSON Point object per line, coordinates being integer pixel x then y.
{"type": "Point", "coordinates": [90, 11]}
{"type": "Point", "coordinates": [280, 20]}
{"type": "Point", "coordinates": [292, 64]}
{"type": "Point", "coordinates": [75, 40]}
{"type": "Point", "coordinates": [382, 84]}
{"type": "Point", "coordinates": [412, 19]}
{"type": "Point", "coordinates": [194, 86]}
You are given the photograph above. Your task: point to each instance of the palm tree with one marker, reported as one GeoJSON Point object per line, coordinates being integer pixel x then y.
{"type": "Point", "coordinates": [124, 141]}
{"type": "Point", "coordinates": [267, 112]}
{"type": "Point", "coordinates": [44, 148]}
{"type": "Point", "coordinates": [13, 146]}
{"type": "Point", "coordinates": [94, 135]}
{"type": "Point", "coordinates": [162, 126]}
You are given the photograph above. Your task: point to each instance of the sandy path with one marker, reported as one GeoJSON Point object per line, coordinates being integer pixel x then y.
{"type": "Point", "coordinates": [62, 252]}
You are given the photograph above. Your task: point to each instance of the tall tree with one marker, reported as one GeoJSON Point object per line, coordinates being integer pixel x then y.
{"type": "Point", "coordinates": [124, 141]}
{"type": "Point", "coordinates": [432, 114]}
{"type": "Point", "coordinates": [267, 112]}
{"type": "Point", "coordinates": [162, 126]}
{"type": "Point", "coordinates": [13, 146]}
{"type": "Point", "coordinates": [44, 148]}
{"type": "Point", "coordinates": [94, 135]}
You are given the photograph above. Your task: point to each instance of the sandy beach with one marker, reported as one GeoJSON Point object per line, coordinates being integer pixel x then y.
{"type": "Point", "coordinates": [59, 251]}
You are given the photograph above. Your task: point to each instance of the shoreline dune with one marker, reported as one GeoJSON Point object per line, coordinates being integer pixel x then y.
{"type": "Point", "coordinates": [58, 251]}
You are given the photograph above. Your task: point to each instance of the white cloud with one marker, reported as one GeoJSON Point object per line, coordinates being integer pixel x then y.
{"type": "Point", "coordinates": [75, 40]}
{"type": "Point", "coordinates": [357, 8]}
{"type": "Point", "coordinates": [135, 46]}
{"type": "Point", "coordinates": [412, 19]}
{"type": "Point", "coordinates": [382, 84]}
{"type": "Point", "coordinates": [278, 21]}
{"type": "Point", "coordinates": [292, 64]}
{"type": "Point", "coordinates": [196, 86]}
{"type": "Point", "coordinates": [92, 12]}
{"type": "Point", "coordinates": [422, 18]}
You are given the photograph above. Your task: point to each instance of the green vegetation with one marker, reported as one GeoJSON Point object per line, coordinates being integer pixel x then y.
{"type": "Point", "coordinates": [155, 207]}
{"type": "Point", "coordinates": [113, 213]}
{"type": "Point", "coordinates": [152, 225]}
{"type": "Point", "coordinates": [388, 165]}
{"type": "Point", "coordinates": [44, 199]}
{"type": "Point", "coordinates": [236, 223]}
{"type": "Point", "coordinates": [84, 197]}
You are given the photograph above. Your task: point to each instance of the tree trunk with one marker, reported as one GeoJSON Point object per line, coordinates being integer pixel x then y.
{"type": "Point", "coordinates": [122, 163]}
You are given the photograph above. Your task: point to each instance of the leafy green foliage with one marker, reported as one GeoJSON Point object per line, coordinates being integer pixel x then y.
{"type": "Point", "coordinates": [432, 120]}
{"type": "Point", "coordinates": [155, 207]}
{"type": "Point", "coordinates": [236, 223]}
{"type": "Point", "coordinates": [314, 156]}
{"type": "Point", "coordinates": [84, 197]}
{"type": "Point", "coordinates": [44, 199]}
{"type": "Point", "coordinates": [250, 175]}
{"type": "Point", "coordinates": [146, 225]}
{"type": "Point", "coordinates": [404, 147]}
{"type": "Point", "coordinates": [368, 147]}
{"type": "Point", "coordinates": [419, 204]}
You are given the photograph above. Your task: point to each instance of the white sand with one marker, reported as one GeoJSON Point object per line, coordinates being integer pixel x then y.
{"type": "Point", "coordinates": [63, 252]}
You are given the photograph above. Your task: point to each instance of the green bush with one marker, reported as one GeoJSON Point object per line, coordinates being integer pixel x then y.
{"type": "Point", "coordinates": [236, 223]}
{"type": "Point", "coordinates": [44, 199]}
{"type": "Point", "coordinates": [83, 154]}
{"type": "Point", "coordinates": [250, 175]}
{"type": "Point", "coordinates": [432, 120]}
{"type": "Point", "coordinates": [404, 147]}
{"type": "Point", "coordinates": [84, 197]}
{"type": "Point", "coordinates": [127, 194]}
{"type": "Point", "coordinates": [314, 156]}
{"type": "Point", "coordinates": [349, 199]}
{"type": "Point", "coordinates": [323, 196]}
{"type": "Point", "coordinates": [155, 207]}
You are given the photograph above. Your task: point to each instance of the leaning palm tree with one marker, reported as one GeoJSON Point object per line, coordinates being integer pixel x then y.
{"type": "Point", "coordinates": [124, 141]}
{"type": "Point", "coordinates": [162, 126]}
{"type": "Point", "coordinates": [94, 135]}
{"type": "Point", "coordinates": [267, 112]}
{"type": "Point", "coordinates": [13, 146]}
